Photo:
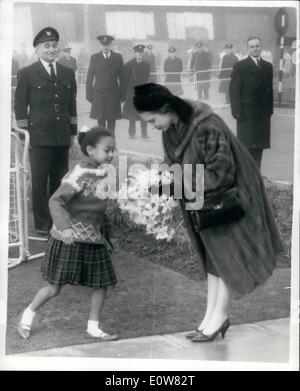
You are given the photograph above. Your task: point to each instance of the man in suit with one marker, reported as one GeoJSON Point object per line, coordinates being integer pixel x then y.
{"type": "Point", "coordinates": [251, 99]}
{"type": "Point", "coordinates": [67, 60]}
{"type": "Point", "coordinates": [45, 105]}
{"type": "Point", "coordinates": [200, 62]}
{"type": "Point", "coordinates": [104, 84]}
{"type": "Point", "coordinates": [136, 71]}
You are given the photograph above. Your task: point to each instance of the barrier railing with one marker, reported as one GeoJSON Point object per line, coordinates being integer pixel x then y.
{"type": "Point", "coordinates": [18, 230]}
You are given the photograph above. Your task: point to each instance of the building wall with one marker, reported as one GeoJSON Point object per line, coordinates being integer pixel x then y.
{"type": "Point", "coordinates": [234, 24]}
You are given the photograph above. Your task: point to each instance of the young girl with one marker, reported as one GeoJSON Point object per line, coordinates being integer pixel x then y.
{"type": "Point", "coordinates": [79, 246]}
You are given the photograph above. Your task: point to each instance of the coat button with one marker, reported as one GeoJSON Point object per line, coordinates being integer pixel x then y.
{"type": "Point", "coordinates": [55, 84]}
{"type": "Point", "coordinates": [57, 118]}
{"type": "Point", "coordinates": [56, 96]}
{"type": "Point", "coordinates": [39, 86]}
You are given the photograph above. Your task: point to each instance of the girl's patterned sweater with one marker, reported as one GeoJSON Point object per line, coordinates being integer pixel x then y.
{"type": "Point", "coordinates": [77, 204]}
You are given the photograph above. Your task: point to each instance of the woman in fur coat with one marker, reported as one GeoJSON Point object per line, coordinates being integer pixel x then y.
{"type": "Point", "coordinates": [235, 256]}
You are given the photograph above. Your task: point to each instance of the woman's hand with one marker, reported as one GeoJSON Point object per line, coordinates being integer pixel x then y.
{"type": "Point", "coordinates": [68, 236]}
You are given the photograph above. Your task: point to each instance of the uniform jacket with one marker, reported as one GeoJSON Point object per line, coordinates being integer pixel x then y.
{"type": "Point", "coordinates": [77, 204]}
{"type": "Point", "coordinates": [251, 99]}
{"type": "Point", "coordinates": [104, 85]}
{"type": "Point", "coordinates": [243, 252]}
{"type": "Point", "coordinates": [83, 61]}
{"type": "Point", "coordinates": [173, 65]}
{"type": "Point", "coordinates": [228, 61]}
{"type": "Point", "coordinates": [45, 107]}
{"type": "Point", "coordinates": [150, 58]}
{"type": "Point", "coordinates": [68, 62]}
{"type": "Point", "coordinates": [134, 74]}
{"type": "Point", "coordinates": [201, 61]}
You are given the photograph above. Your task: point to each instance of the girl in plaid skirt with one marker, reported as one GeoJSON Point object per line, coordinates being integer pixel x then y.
{"type": "Point", "coordinates": [79, 247]}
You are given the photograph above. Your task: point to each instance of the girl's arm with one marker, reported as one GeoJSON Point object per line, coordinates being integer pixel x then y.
{"type": "Point", "coordinates": [58, 203]}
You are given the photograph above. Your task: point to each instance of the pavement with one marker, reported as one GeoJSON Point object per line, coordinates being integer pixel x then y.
{"type": "Point", "coordinates": [265, 341]}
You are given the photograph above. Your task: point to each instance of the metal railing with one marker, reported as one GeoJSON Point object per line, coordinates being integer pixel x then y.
{"type": "Point", "coordinates": [18, 229]}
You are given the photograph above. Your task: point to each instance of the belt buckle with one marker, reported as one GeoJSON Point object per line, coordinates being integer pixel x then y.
{"type": "Point", "coordinates": [56, 107]}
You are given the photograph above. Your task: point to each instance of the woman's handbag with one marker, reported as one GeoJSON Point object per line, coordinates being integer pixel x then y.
{"type": "Point", "coordinates": [219, 210]}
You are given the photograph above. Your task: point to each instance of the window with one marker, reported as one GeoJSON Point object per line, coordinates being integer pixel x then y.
{"type": "Point", "coordinates": [129, 25]}
{"type": "Point", "coordinates": [180, 23]}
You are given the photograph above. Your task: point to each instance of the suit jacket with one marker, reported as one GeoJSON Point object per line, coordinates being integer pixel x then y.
{"type": "Point", "coordinates": [46, 108]}
{"type": "Point", "coordinates": [249, 86]}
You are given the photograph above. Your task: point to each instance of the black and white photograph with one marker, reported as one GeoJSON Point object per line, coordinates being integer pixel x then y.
{"type": "Point", "coordinates": [150, 185]}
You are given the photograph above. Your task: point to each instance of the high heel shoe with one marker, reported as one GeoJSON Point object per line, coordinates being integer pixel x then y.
{"type": "Point", "coordinates": [193, 334]}
{"type": "Point", "coordinates": [201, 337]}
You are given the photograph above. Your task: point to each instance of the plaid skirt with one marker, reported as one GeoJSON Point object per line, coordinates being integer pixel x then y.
{"type": "Point", "coordinates": [78, 264]}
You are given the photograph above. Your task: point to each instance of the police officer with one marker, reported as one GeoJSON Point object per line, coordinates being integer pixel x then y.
{"type": "Point", "coordinates": [150, 58]}
{"type": "Point", "coordinates": [173, 64]}
{"type": "Point", "coordinates": [136, 71]}
{"type": "Point", "coordinates": [228, 61]}
{"type": "Point", "coordinates": [45, 105]}
{"type": "Point", "coordinates": [67, 60]}
{"type": "Point", "coordinates": [201, 62]}
{"type": "Point", "coordinates": [104, 84]}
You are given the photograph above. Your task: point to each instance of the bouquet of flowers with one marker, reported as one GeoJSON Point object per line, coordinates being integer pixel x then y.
{"type": "Point", "coordinates": [145, 206]}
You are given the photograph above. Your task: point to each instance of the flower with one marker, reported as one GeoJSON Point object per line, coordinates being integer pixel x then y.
{"type": "Point", "coordinates": [144, 208]}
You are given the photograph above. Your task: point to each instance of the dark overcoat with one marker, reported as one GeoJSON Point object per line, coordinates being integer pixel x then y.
{"type": "Point", "coordinates": [251, 98]}
{"type": "Point", "coordinates": [46, 108]}
{"type": "Point", "coordinates": [104, 86]}
{"type": "Point", "coordinates": [243, 252]}
{"type": "Point", "coordinates": [151, 60]}
{"type": "Point", "coordinates": [228, 61]}
{"type": "Point", "coordinates": [134, 74]}
{"type": "Point", "coordinates": [173, 65]}
{"type": "Point", "coordinates": [201, 61]}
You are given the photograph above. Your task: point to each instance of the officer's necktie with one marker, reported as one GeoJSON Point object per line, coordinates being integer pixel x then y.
{"type": "Point", "coordinates": [52, 73]}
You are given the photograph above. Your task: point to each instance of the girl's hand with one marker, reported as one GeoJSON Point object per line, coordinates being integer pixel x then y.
{"type": "Point", "coordinates": [68, 236]}
{"type": "Point", "coordinates": [112, 245]}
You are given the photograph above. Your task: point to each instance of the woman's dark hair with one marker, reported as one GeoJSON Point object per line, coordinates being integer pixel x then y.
{"type": "Point", "coordinates": [155, 97]}
{"type": "Point", "coordinates": [91, 137]}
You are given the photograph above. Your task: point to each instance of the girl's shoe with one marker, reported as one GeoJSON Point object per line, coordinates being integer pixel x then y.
{"type": "Point", "coordinates": [209, 338]}
{"type": "Point", "coordinates": [193, 334]}
{"type": "Point", "coordinates": [101, 335]}
{"type": "Point", "coordinates": [24, 331]}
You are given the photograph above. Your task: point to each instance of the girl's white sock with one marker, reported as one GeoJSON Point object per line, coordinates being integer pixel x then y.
{"type": "Point", "coordinates": [28, 316]}
{"type": "Point", "coordinates": [93, 329]}
{"type": "Point", "coordinates": [93, 326]}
